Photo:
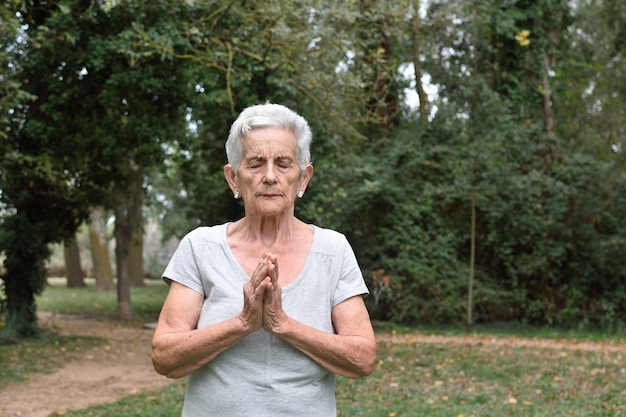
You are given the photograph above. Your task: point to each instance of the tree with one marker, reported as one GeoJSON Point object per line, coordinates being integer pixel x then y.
{"type": "Point", "coordinates": [416, 43]}
{"type": "Point", "coordinates": [103, 273]}
{"type": "Point", "coordinates": [301, 54]}
{"type": "Point", "coordinates": [56, 171]}
{"type": "Point", "coordinates": [404, 191]}
{"type": "Point", "coordinates": [515, 168]}
{"type": "Point", "coordinates": [73, 268]}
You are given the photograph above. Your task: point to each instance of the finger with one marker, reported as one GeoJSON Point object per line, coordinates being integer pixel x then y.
{"type": "Point", "coordinates": [274, 261]}
{"type": "Point", "coordinates": [272, 272]}
{"type": "Point", "coordinates": [259, 273]}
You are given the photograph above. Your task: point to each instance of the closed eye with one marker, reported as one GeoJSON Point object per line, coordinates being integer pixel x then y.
{"type": "Point", "coordinates": [284, 162]}
{"type": "Point", "coordinates": [255, 162]}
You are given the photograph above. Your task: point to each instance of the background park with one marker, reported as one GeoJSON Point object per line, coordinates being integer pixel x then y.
{"type": "Point", "coordinates": [472, 152]}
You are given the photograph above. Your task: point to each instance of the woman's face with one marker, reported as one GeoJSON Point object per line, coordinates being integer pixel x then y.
{"type": "Point", "coordinates": [269, 176]}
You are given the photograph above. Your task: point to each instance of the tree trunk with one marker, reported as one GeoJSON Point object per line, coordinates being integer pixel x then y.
{"type": "Point", "coordinates": [546, 97]}
{"type": "Point", "coordinates": [548, 63]}
{"type": "Point", "coordinates": [135, 259]}
{"type": "Point", "coordinates": [470, 285]}
{"type": "Point", "coordinates": [135, 255]}
{"type": "Point", "coordinates": [127, 222]}
{"type": "Point", "coordinates": [377, 62]}
{"type": "Point", "coordinates": [417, 66]}
{"type": "Point", "coordinates": [21, 309]}
{"type": "Point", "coordinates": [24, 277]}
{"type": "Point", "coordinates": [103, 273]}
{"type": "Point", "coordinates": [123, 235]}
{"type": "Point", "coordinates": [73, 268]}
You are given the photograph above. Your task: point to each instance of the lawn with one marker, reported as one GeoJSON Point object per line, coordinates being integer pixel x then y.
{"type": "Point", "coordinates": [412, 378]}
{"type": "Point", "coordinates": [416, 379]}
{"type": "Point", "coordinates": [48, 351]}
{"type": "Point", "coordinates": [147, 301]}
{"type": "Point", "coordinates": [454, 380]}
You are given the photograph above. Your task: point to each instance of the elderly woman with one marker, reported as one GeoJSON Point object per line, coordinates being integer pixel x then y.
{"type": "Point", "coordinates": [263, 312]}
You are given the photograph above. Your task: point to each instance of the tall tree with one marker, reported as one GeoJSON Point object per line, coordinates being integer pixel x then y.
{"type": "Point", "coordinates": [301, 54]}
{"type": "Point", "coordinates": [103, 272]}
{"type": "Point", "coordinates": [73, 268]}
{"type": "Point", "coordinates": [41, 203]}
{"type": "Point", "coordinates": [65, 157]}
{"type": "Point", "coordinates": [416, 45]}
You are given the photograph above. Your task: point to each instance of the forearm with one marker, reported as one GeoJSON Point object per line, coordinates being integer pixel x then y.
{"type": "Point", "coordinates": [177, 354]}
{"type": "Point", "coordinates": [349, 355]}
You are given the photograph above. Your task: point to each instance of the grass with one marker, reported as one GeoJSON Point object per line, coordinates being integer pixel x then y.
{"type": "Point", "coordinates": [147, 301]}
{"type": "Point", "coordinates": [48, 351]}
{"type": "Point", "coordinates": [45, 353]}
{"type": "Point", "coordinates": [435, 380]}
{"type": "Point", "coordinates": [439, 380]}
{"type": "Point", "coordinates": [511, 329]}
{"type": "Point", "coordinates": [166, 402]}
{"type": "Point", "coordinates": [411, 379]}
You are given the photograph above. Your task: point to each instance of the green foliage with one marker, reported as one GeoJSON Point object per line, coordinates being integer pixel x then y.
{"type": "Point", "coordinates": [159, 83]}
{"type": "Point", "coordinates": [98, 119]}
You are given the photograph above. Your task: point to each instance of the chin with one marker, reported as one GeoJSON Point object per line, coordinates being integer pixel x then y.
{"type": "Point", "coordinates": [270, 209]}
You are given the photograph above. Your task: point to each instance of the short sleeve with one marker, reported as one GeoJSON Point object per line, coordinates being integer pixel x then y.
{"type": "Point", "coordinates": [351, 282]}
{"type": "Point", "coordinates": [183, 267]}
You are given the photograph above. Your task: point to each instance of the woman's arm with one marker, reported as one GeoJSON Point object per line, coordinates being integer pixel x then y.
{"type": "Point", "coordinates": [351, 352]}
{"type": "Point", "coordinates": [178, 348]}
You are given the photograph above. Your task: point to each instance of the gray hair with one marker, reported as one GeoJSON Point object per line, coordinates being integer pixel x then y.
{"type": "Point", "coordinates": [269, 115]}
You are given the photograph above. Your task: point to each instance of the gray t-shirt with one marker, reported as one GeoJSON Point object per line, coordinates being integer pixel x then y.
{"type": "Point", "coordinates": [263, 375]}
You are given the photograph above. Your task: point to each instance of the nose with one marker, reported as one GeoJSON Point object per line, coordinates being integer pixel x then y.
{"type": "Point", "coordinates": [269, 176]}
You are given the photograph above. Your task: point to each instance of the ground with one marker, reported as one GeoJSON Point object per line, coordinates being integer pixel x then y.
{"type": "Point", "coordinates": [122, 366]}
{"type": "Point", "coordinates": [118, 368]}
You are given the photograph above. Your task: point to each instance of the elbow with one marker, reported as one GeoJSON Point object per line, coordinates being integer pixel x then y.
{"type": "Point", "coordinates": [159, 365]}
{"type": "Point", "coordinates": [359, 371]}
{"type": "Point", "coordinates": [163, 367]}
{"type": "Point", "coordinates": [368, 366]}
{"type": "Point", "coordinates": [167, 371]}
{"type": "Point", "coordinates": [365, 364]}
{"type": "Point", "coordinates": [174, 374]}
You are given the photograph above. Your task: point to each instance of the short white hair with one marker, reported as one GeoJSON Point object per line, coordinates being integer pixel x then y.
{"type": "Point", "coordinates": [269, 115]}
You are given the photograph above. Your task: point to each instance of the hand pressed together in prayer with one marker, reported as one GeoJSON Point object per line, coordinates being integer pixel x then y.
{"type": "Point", "coordinates": [263, 297]}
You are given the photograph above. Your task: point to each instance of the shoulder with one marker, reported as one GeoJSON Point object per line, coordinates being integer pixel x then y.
{"type": "Point", "coordinates": [207, 233]}
{"type": "Point", "coordinates": [330, 234]}
{"type": "Point", "coordinates": [203, 237]}
{"type": "Point", "coordinates": [329, 239]}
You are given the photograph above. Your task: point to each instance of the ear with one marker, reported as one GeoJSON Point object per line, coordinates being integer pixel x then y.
{"type": "Point", "coordinates": [231, 177]}
{"type": "Point", "coordinates": [308, 173]}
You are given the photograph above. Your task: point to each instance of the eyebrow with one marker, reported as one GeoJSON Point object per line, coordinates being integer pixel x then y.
{"type": "Point", "coordinates": [260, 158]}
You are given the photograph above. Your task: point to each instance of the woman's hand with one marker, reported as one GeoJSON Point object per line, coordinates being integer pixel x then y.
{"type": "Point", "coordinates": [254, 294]}
{"type": "Point", "coordinates": [262, 305]}
{"type": "Point", "coordinates": [273, 314]}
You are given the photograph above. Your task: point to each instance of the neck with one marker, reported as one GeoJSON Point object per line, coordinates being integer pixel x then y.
{"type": "Point", "coordinates": [269, 230]}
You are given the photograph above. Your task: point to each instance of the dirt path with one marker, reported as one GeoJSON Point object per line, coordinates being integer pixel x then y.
{"type": "Point", "coordinates": [122, 366]}
{"type": "Point", "coordinates": [491, 341]}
